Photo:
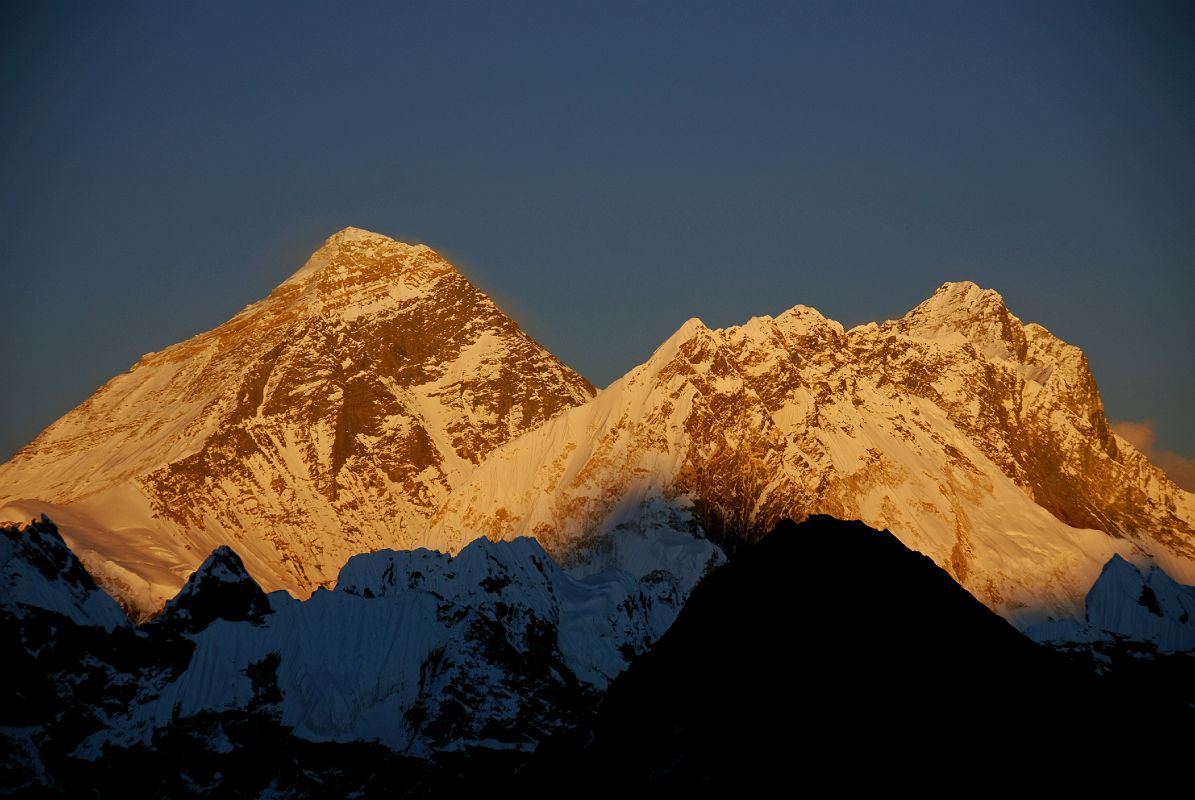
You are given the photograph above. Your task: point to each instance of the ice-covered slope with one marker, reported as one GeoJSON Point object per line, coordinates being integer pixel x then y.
{"type": "Point", "coordinates": [1126, 605]}
{"type": "Point", "coordinates": [418, 650]}
{"type": "Point", "coordinates": [976, 439]}
{"type": "Point", "coordinates": [329, 419]}
{"type": "Point", "coordinates": [39, 573]}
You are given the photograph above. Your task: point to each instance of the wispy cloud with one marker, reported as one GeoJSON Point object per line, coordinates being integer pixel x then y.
{"type": "Point", "coordinates": [1143, 436]}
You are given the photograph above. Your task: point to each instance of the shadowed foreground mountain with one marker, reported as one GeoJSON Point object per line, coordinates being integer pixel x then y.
{"type": "Point", "coordinates": [414, 660]}
{"type": "Point", "coordinates": [422, 675]}
{"type": "Point", "coordinates": [779, 668]}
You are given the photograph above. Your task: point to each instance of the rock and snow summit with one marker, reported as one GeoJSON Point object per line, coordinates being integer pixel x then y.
{"type": "Point", "coordinates": [329, 419]}
{"type": "Point", "coordinates": [376, 399]}
{"type": "Point", "coordinates": [976, 439]}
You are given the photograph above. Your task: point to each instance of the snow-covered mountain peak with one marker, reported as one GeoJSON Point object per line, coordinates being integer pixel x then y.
{"type": "Point", "coordinates": [805, 316]}
{"type": "Point", "coordinates": [220, 589]}
{"type": "Point", "coordinates": [954, 304]}
{"type": "Point", "coordinates": [690, 328]}
{"type": "Point", "coordinates": [347, 242]}
{"type": "Point", "coordinates": [790, 329]}
{"type": "Point", "coordinates": [957, 299]}
{"type": "Point", "coordinates": [353, 234]}
{"type": "Point", "coordinates": [964, 312]}
{"type": "Point", "coordinates": [803, 326]}
{"type": "Point", "coordinates": [495, 648]}
{"type": "Point", "coordinates": [328, 419]}
{"type": "Point", "coordinates": [361, 241]}
{"type": "Point", "coordinates": [357, 268]}
{"type": "Point", "coordinates": [977, 440]}
{"type": "Point", "coordinates": [479, 573]}
{"type": "Point", "coordinates": [1118, 568]}
{"type": "Point", "coordinates": [38, 573]}
{"type": "Point", "coordinates": [1130, 605]}
{"type": "Point", "coordinates": [222, 566]}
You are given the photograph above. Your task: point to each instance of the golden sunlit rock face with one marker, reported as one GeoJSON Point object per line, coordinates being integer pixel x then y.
{"type": "Point", "coordinates": [377, 399]}
{"type": "Point", "coordinates": [328, 419]}
{"type": "Point", "coordinates": [976, 439]}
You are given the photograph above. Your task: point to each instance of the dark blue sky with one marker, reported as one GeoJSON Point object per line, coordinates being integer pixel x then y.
{"type": "Point", "coordinates": [604, 171]}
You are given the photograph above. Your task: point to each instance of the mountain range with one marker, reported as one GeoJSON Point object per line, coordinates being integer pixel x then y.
{"type": "Point", "coordinates": [975, 439]}
{"type": "Point", "coordinates": [422, 673]}
{"type": "Point", "coordinates": [376, 399]}
{"type": "Point", "coordinates": [369, 534]}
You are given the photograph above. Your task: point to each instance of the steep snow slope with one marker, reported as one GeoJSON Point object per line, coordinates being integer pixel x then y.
{"type": "Point", "coordinates": [418, 650]}
{"type": "Point", "coordinates": [976, 439]}
{"type": "Point", "coordinates": [1125, 604]}
{"type": "Point", "coordinates": [39, 573]}
{"type": "Point", "coordinates": [329, 419]}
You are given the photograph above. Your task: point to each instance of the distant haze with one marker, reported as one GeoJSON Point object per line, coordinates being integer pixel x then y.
{"type": "Point", "coordinates": [604, 171]}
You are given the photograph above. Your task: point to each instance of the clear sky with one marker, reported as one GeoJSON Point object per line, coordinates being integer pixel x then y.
{"type": "Point", "coordinates": [603, 170]}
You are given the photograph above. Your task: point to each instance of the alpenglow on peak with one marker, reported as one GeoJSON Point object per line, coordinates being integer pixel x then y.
{"type": "Point", "coordinates": [976, 439]}
{"type": "Point", "coordinates": [328, 419]}
{"type": "Point", "coordinates": [352, 250]}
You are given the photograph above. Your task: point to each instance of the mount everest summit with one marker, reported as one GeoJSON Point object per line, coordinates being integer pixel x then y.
{"type": "Point", "coordinates": [376, 399]}
{"type": "Point", "coordinates": [330, 418]}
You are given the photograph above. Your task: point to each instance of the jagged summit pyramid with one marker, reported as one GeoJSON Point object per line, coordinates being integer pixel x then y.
{"type": "Point", "coordinates": [976, 439]}
{"type": "Point", "coordinates": [328, 419]}
{"type": "Point", "coordinates": [220, 589]}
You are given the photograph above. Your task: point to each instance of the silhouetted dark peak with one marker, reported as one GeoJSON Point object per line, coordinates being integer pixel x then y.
{"type": "Point", "coordinates": [220, 589]}
{"type": "Point", "coordinates": [223, 565]}
{"type": "Point", "coordinates": [39, 573]}
{"type": "Point", "coordinates": [41, 545]}
{"type": "Point", "coordinates": [840, 632]}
